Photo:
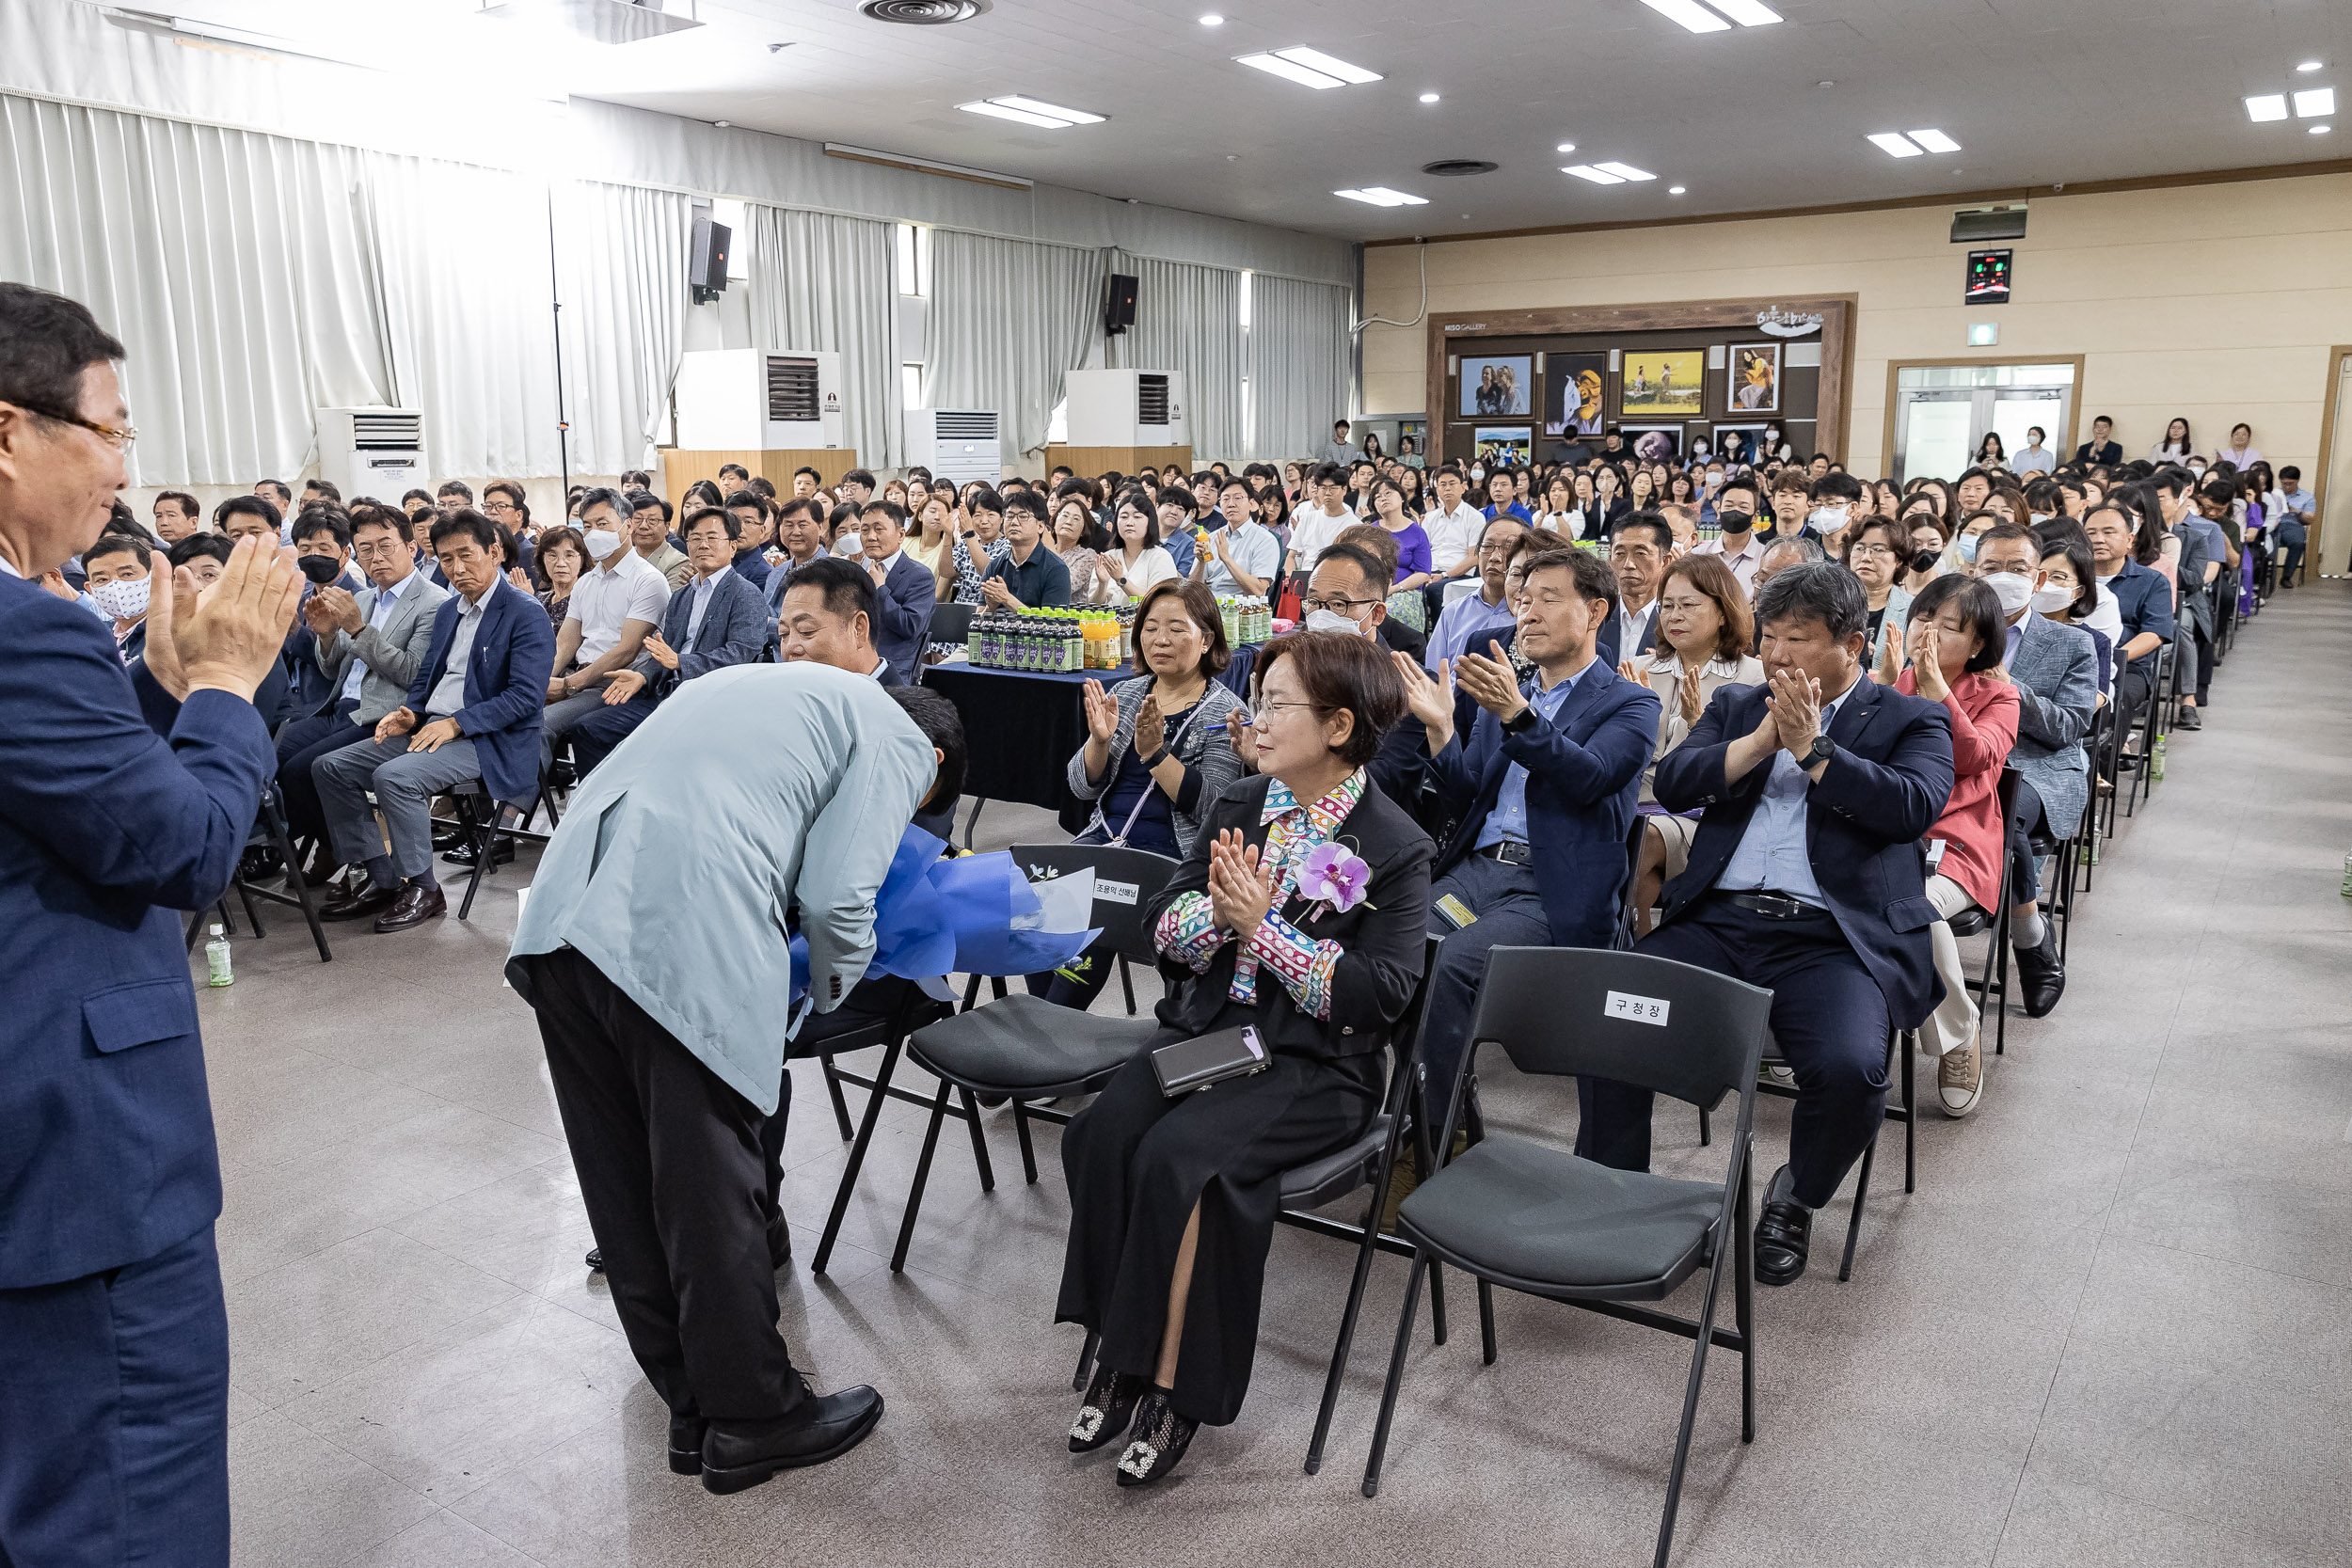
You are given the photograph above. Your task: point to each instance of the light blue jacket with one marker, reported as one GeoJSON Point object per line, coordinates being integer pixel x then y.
{"type": "Point", "coordinates": [748, 790]}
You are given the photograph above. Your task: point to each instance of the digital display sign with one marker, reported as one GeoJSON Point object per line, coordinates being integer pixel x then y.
{"type": "Point", "coordinates": [1988, 278]}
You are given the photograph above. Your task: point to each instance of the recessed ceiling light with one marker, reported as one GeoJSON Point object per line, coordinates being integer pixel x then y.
{"type": "Point", "coordinates": [2315, 102]}
{"type": "Point", "coordinates": [2311, 65]}
{"type": "Point", "coordinates": [2319, 129]}
{"type": "Point", "coordinates": [1429, 97]}
{"type": "Point", "coordinates": [1690, 14]}
{"type": "Point", "coordinates": [1380, 195]}
{"type": "Point", "coordinates": [1309, 68]}
{"type": "Point", "coordinates": [1031, 111]}
{"type": "Point", "coordinates": [1213, 20]}
{"type": "Point", "coordinates": [2264, 107]}
{"type": "Point", "coordinates": [1566, 147]}
{"type": "Point", "coordinates": [1748, 13]}
{"type": "Point", "coordinates": [721, 124]}
{"type": "Point", "coordinates": [1625, 171]}
{"type": "Point", "coordinates": [1935, 141]}
{"type": "Point", "coordinates": [1676, 190]}
{"type": "Point", "coordinates": [1893, 144]}
{"type": "Point", "coordinates": [1824, 84]}
{"type": "Point", "coordinates": [1586, 171]}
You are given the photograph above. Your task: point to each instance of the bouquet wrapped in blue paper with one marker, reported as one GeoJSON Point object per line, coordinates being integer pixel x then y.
{"type": "Point", "coordinates": [974, 914]}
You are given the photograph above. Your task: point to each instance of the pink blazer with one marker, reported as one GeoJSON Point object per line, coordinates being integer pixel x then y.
{"type": "Point", "coordinates": [1984, 728]}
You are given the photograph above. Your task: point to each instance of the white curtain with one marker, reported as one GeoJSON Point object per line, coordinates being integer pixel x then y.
{"type": "Point", "coordinates": [1189, 320]}
{"type": "Point", "coordinates": [625, 250]}
{"type": "Point", "coordinates": [824, 282]}
{"type": "Point", "coordinates": [235, 267]}
{"type": "Point", "coordinates": [1008, 319]}
{"type": "Point", "coordinates": [1298, 365]}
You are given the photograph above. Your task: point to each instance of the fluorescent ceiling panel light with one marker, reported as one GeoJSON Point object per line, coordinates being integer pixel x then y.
{"type": "Point", "coordinates": [1586, 171]}
{"type": "Point", "coordinates": [1020, 117]}
{"type": "Point", "coordinates": [1690, 14]}
{"type": "Point", "coordinates": [2316, 102]}
{"type": "Point", "coordinates": [1278, 66]}
{"type": "Point", "coordinates": [1380, 195]}
{"type": "Point", "coordinates": [1748, 13]}
{"type": "Point", "coordinates": [1625, 171]}
{"type": "Point", "coordinates": [1315, 60]}
{"type": "Point", "coordinates": [1894, 145]}
{"type": "Point", "coordinates": [1051, 111]}
{"type": "Point", "coordinates": [1935, 141]}
{"type": "Point", "coordinates": [2265, 107]}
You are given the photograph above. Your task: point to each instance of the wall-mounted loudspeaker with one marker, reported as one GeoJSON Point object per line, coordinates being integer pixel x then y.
{"type": "Point", "coordinates": [1119, 313]}
{"type": "Point", "coordinates": [706, 268]}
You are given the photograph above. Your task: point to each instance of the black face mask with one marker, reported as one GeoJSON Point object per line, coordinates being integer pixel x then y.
{"type": "Point", "coordinates": [1736, 522]}
{"type": "Point", "coordinates": [321, 569]}
{"type": "Point", "coordinates": [1924, 560]}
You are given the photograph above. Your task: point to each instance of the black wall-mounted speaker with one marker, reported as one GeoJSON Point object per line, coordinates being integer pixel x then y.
{"type": "Point", "coordinates": [1119, 313]}
{"type": "Point", "coordinates": [706, 268]}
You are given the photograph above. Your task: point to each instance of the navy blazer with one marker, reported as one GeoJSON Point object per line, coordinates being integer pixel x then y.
{"type": "Point", "coordinates": [1864, 821]}
{"type": "Point", "coordinates": [1584, 778]}
{"type": "Point", "coordinates": [507, 685]}
{"type": "Point", "coordinates": [106, 1152]}
{"type": "Point", "coordinates": [902, 614]}
{"type": "Point", "coordinates": [2145, 601]}
{"type": "Point", "coordinates": [734, 631]}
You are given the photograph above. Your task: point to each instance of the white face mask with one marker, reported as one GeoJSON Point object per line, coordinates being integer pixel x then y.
{"type": "Point", "coordinates": [123, 600]}
{"type": "Point", "coordinates": [1331, 620]}
{"type": "Point", "coordinates": [602, 542]}
{"type": "Point", "coordinates": [1827, 518]}
{"type": "Point", "coordinates": [2013, 588]}
{"type": "Point", "coordinates": [1478, 472]}
{"type": "Point", "coordinates": [2050, 599]}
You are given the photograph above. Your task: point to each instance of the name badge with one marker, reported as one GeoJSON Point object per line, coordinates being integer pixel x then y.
{"type": "Point", "coordinates": [1636, 1009]}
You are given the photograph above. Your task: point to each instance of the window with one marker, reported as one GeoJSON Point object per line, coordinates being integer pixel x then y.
{"type": "Point", "coordinates": [911, 386]}
{"type": "Point", "coordinates": [1057, 425]}
{"type": "Point", "coordinates": [914, 260]}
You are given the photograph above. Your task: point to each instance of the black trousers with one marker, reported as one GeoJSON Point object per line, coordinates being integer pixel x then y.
{"type": "Point", "coordinates": [1829, 1018]}
{"type": "Point", "coordinates": [1137, 1161]}
{"type": "Point", "coordinates": [670, 1169]}
{"type": "Point", "coordinates": [300, 743]}
{"type": "Point", "coordinates": [2024, 872]}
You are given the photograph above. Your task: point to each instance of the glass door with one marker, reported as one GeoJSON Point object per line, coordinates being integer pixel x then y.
{"type": "Point", "coordinates": [1942, 412]}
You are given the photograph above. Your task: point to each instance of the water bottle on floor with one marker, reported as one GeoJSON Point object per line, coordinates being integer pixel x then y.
{"type": "Point", "coordinates": [216, 951]}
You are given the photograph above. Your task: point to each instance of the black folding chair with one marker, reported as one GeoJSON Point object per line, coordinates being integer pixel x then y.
{"type": "Point", "coordinates": [951, 622]}
{"type": "Point", "coordinates": [1019, 1047]}
{"type": "Point", "coordinates": [1992, 985]}
{"type": "Point", "coordinates": [1902, 1051]}
{"type": "Point", "coordinates": [1536, 1218]}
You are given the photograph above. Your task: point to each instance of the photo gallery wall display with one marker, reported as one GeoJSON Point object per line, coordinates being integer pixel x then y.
{"type": "Point", "coordinates": [1738, 443]}
{"type": "Point", "coordinates": [1755, 387]}
{"type": "Point", "coordinates": [1510, 445]}
{"type": "Point", "coordinates": [1666, 384]}
{"type": "Point", "coordinates": [1653, 443]}
{"type": "Point", "coordinates": [1497, 386]}
{"type": "Point", "coordinates": [1576, 394]}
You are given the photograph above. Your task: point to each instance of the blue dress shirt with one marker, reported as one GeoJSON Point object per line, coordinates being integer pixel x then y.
{"type": "Point", "coordinates": [1773, 855]}
{"type": "Point", "coordinates": [1509, 817]}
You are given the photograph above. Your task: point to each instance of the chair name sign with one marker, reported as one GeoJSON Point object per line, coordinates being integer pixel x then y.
{"type": "Point", "coordinates": [1636, 1009]}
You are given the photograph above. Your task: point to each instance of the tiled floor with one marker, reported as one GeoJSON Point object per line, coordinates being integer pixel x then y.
{"type": "Point", "coordinates": [2114, 1325]}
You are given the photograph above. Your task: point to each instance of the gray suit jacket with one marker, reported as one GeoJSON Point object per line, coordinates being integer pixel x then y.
{"type": "Point", "coordinates": [392, 652]}
{"type": "Point", "coordinates": [748, 788]}
{"type": "Point", "coordinates": [2056, 675]}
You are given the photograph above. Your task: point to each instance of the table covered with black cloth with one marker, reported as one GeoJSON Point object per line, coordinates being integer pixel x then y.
{"type": "Point", "coordinates": [1020, 728]}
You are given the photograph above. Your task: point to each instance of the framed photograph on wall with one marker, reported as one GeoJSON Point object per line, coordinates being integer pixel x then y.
{"type": "Point", "coordinates": [1653, 443]}
{"type": "Point", "coordinates": [1497, 386]}
{"type": "Point", "coordinates": [1576, 394]}
{"type": "Point", "coordinates": [1738, 443]}
{"type": "Point", "coordinates": [1755, 379]}
{"type": "Point", "coordinates": [1497, 446]}
{"type": "Point", "coordinates": [1668, 384]}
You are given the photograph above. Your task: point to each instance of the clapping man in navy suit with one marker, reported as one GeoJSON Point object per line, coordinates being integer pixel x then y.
{"type": "Point", "coordinates": [1542, 789]}
{"type": "Point", "coordinates": [114, 1344]}
{"type": "Point", "coordinates": [904, 589]}
{"type": "Point", "coordinates": [1805, 877]}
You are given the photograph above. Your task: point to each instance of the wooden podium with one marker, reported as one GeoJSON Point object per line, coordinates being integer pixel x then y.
{"type": "Point", "coordinates": [682, 469]}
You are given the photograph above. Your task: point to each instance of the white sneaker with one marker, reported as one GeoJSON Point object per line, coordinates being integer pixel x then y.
{"type": "Point", "coordinates": [1960, 1079]}
{"type": "Point", "coordinates": [1781, 1073]}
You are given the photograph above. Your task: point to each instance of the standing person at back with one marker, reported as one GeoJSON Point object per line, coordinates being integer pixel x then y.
{"type": "Point", "coordinates": [113, 1342]}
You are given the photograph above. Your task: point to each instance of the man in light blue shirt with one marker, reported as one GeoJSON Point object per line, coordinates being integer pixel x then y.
{"type": "Point", "coordinates": [1472, 619]}
{"type": "Point", "coordinates": [1243, 557]}
{"type": "Point", "coordinates": [1773, 855]}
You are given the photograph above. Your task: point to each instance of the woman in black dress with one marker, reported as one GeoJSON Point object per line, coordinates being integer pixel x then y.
{"type": "Point", "coordinates": [1172, 1201]}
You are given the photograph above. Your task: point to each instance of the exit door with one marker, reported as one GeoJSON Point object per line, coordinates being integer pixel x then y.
{"type": "Point", "coordinates": [1942, 413]}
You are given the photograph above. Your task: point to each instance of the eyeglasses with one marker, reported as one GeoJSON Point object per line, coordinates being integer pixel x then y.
{"type": "Point", "coordinates": [1870, 549]}
{"type": "Point", "coordinates": [1345, 607]}
{"type": "Point", "coordinates": [1265, 707]}
{"type": "Point", "coordinates": [119, 437]}
{"type": "Point", "coordinates": [497, 508]}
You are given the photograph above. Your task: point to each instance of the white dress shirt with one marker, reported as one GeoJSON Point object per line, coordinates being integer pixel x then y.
{"type": "Point", "coordinates": [1452, 534]}
{"type": "Point", "coordinates": [606, 596]}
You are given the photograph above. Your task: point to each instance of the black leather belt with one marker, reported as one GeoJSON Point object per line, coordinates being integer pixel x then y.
{"type": "Point", "coordinates": [1771, 906]}
{"type": "Point", "coordinates": [1510, 851]}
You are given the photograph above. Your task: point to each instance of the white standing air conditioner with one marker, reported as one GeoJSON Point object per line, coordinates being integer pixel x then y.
{"type": "Point", "coordinates": [1127, 408]}
{"type": "Point", "coordinates": [957, 445]}
{"type": "Point", "coordinates": [759, 399]}
{"type": "Point", "coordinates": [372, 451]}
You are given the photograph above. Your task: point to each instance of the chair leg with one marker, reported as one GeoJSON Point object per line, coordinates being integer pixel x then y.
{"type": "Point", "coordinates": [485, 835]}
{"type": "Point", "coordinates": [979, 1141]}
{"type": "Point", "coordinates": [244, 896]}
{"type": "Point", "coordinates": [1487, 1321]}
{"type": "Point", "coordinates": [1690, 1412]}
{"type": "Point", "coordinates": [1396, 1375]}
{"type": "Point", "coordinates": [1365, 1246]}
{"type": "Point", "coordinates": [1706, 1132]}
{"type": "Point", "coordinates": [1744, 1304]}
{"type": "Point", "coordinates": [1028, 1153]}
{"type": "Point", "coordinates": [1086, 1360]}
{"type": "Point", "coordinates": [1127, 984]}
{"type": "Point", "coordinates": [1910, 1047]}
{"type": "Point", "coordinates": [295, 882]}
{"type": "Point", "coordinates": [857, 1156]}
{"type": "Point", "coordinates": [832, 1089]}
{"type": "Point", "coordinates": [1854, 1226]}
{"type": "Point", "coordinates": [922, 1176]}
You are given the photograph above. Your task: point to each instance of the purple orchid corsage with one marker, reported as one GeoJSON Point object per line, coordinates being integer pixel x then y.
{"type": "Point", "coordinates": [1334, 878]}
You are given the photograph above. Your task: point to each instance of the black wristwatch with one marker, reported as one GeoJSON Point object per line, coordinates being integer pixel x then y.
{"type": "Point", "coordinates": [1820, 751]}
{"type": "Point", "coordinates": [1521, 722]}
{"type": "Point", "coordinates": [1156, 759]}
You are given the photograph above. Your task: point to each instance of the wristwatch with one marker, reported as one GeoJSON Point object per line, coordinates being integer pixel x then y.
{"type": "Point", "coordinates": [1521, 722]}
{"type": "Point", "coordinates": [1156, 759]}
{"type": "Point", "coordinates": [1820, 751]}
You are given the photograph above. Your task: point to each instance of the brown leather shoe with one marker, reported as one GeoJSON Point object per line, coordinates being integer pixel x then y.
{"type": "Point", "coordinates": [415, 905]}
{"type": "Point", "coordinates": [359, 906]}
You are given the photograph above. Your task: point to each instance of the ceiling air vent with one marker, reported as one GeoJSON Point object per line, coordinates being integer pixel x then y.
{"type": "Point", "coordinates": [1151, 399]}
{"type": "Point", "coordinates": [792, 390]}
{"type": "Point", "coordinates": [1460, 166]}
{"type": "Point", "coordinates": [923, 13]}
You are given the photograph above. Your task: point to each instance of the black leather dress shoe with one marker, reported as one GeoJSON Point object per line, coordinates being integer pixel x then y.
{"type": "Point", "coordinates": [323, 865]}
{"type": "Point", "coordinates": [596, 1259]}
{"type": "Point", "coordinates": [448, 838]}
{"type": "Point", "coordinates": [1783, 1234]}
{"type": "Point", "coordinates": [739, 1454]}
{"type": "Point", "coordinates": [685, 1444]}
{"type": "Point", "coordinates": [2041, 976]}
{"type": "Point", "coordinates": [1157, 1442]}
{"type": "Point", "coordinates": [501, 852]}
{"type": "Point", "coordinates": [1109, 1409]}
{"type": "Point", "coordinates": [415, 905]}
{"type": "Point", "coordinates": [360, 905]}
